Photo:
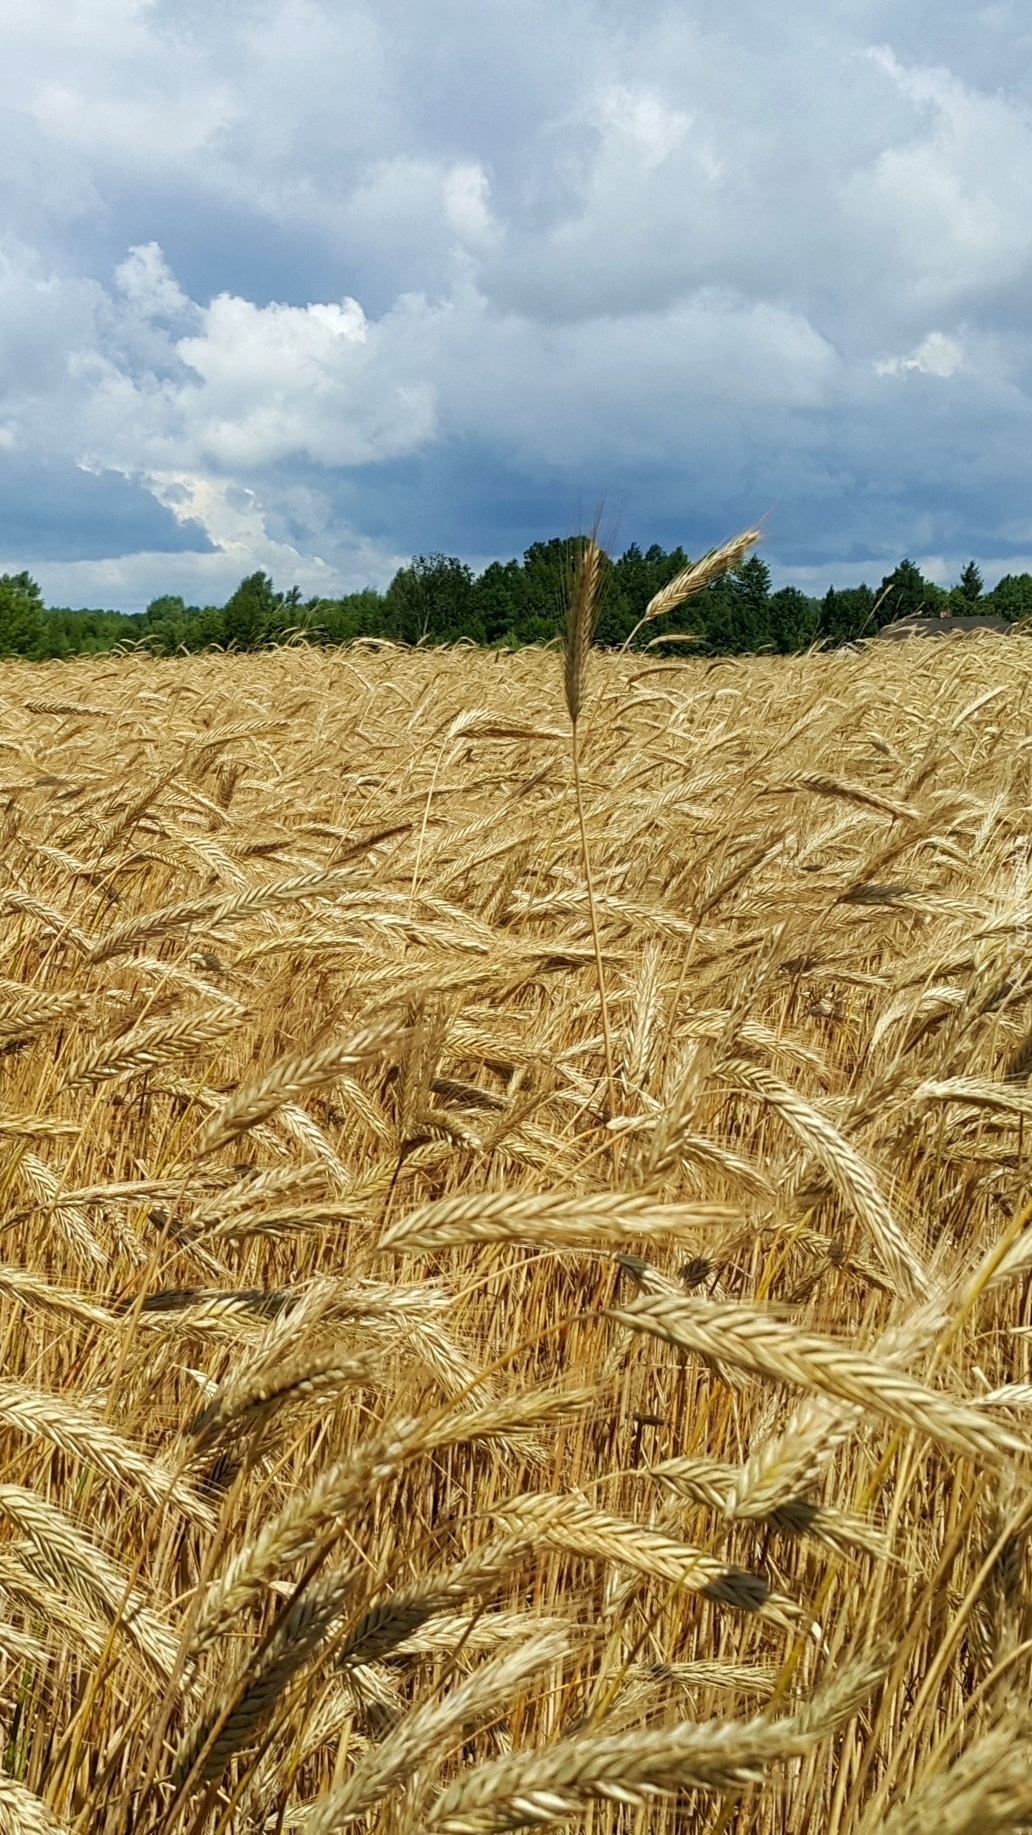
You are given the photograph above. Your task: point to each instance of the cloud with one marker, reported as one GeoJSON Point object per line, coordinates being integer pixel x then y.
{"type": "Point", "coordinates": [62, 512]}
{"type": "Point", "coordinates": [308, 281]}
{"type": "Point", "coordinates": [936, 355]}
{"type": "Point", "coordinates": [146, 281]}
{"type": "Point", "coordinates": [648, 126]}
{"type": "Point", "coordinates": [251, 386]}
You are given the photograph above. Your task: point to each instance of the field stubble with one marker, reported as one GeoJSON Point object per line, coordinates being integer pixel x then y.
{"type": "Point", "coordinates": [434, 1402]}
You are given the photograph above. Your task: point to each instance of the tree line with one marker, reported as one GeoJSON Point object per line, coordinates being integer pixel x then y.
{"type": "Point", "coordinates": [438, 599]}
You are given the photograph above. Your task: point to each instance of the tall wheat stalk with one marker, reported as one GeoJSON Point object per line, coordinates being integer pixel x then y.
{"type": "Point", "coordinates": [581, 617]}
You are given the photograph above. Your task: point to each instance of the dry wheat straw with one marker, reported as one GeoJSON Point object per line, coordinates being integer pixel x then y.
{"type": "Point", "coordinates": [400, 1619]}
{"type": "Point", "coordinates": [812, 1045]}
{"type": "Point", "coordinates": [245, 1704]}
{"type": "Point", "coordinates": [67, 1218]}
{"type": "Point", "coordinates": [213, 913]}
{"type": "Point", "coordinates": [582, 610]}
{"type": "Point", "coordinates": [37, 1295]}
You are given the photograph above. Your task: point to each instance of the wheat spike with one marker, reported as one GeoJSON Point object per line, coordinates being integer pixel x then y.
{"type": "Point", "coordinates": [78, 1566]}
{"type": "Point", "coordinates": [695, 577]}
{"type": "Point", "coordinates": [550, 1218]}
{"type": "Point", "coordinates": [428, 1728]}
{"type": "Point", "coordinates": [291, 1077]}
{"type": "Point", "coordinates": [988, 1788]}
{"type": "Point", "coordinates": [632, 1768]}
{"type": "Point", "coordinates": [86, 1437]}
{"type": "Point", "coordinates": [567, 1522]}
{"type": "Point", "coordinates": [23, 1813]}
{"type": "Point", "coordinates": [770, 1347]}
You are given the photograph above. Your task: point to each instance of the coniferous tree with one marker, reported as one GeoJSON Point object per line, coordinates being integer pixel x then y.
{"type": "Point", "coordinates": [969, 586]}
{"type": "Point", "coordinates": [847, 614]}
{"type": "Point", "coordinates": [793, 619]}
{"type": "Point", "coordinates": [902, 593]}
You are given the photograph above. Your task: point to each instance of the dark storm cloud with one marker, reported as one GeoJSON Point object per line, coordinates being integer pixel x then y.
{"type": "Point", "coordinates": [336, 282]}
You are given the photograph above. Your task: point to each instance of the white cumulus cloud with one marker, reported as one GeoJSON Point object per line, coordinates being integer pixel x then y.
{"type": "Point", "coordinates": [936, 355]}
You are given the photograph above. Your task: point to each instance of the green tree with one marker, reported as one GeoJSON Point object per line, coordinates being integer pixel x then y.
{"type": "Point", "coordinates": [733, 615]}
{"type": "Point", "coordinates": [250, 612]}
{"type": "Point", "coordinates": [21, 615]}
{"type": "Point", "coordinates": [1011, 597]}
{"type": "Point", "coordinates": [905, 593]}
{"type": "Point", "coordinates": [846, 614]}
{"type": "Point", "coordinates": [632, 582]}
{"type": "Point", "coordinates": [430, 601]}
{"type": "Point", "coordinates": [969, 586]}
{"type": "Point", "coordinates": [546, 571]}
{"type": "Point", "coordinates": [168, 607]}
{"type": "Point", "coordinates": [793, 619]}
{"type": "Point", "coordinates": [750, 588]}
{"type": "Point", "coordinates": [169, 626]}
{"type": "Point", "coordinates": [83, 633]}
{"type": "Point", "coordinates": [499, 600]}
{"type": "Point", "coordinates": [340, 621]}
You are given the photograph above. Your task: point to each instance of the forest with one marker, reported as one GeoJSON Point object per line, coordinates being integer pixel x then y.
{"type": "Point", "coordinates": [438, 599]}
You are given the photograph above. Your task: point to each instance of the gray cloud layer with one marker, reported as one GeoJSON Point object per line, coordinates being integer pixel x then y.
{"type": "Point", "coordinates": [312, 284]}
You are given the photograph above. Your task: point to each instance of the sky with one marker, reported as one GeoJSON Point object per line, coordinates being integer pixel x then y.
{"type": "Point", "coordinates": [315, 285]}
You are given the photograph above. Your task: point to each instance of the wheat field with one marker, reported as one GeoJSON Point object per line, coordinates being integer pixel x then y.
{"type": "Point", "coordinates": [516, 1304]}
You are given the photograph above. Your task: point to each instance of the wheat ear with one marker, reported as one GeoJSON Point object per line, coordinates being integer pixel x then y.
{"type": "Point", "coordinates": [570, 1523]}
{"type": "Point", "coordinates": [551, 1218]}
{"type": "Point", "coordinates": [693, 578]}
{"type": "Point", "coordinates": [533, 1788]}
{"type": "Point", "coordinates": [768, 1346]}
{"type": "Point", "coordinates": [987, 1789]}
{"type": "Point", "coordinates": [344, 1490]}
{"type": "Point", "coordinates": [429, 1728]}
{"type": "Point", "coordinates": [289, 1077]}
{"type": "Point", "coordinates": [68, 1559]}
{"type": "Point", "coordinates": [23, 1813]}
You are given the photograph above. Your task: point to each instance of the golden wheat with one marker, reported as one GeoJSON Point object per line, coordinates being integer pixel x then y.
{"type": "Point", "coordinates": [511, 1255]}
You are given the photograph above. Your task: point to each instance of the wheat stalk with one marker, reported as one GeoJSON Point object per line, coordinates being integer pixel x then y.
{"type": "Point", "coordinates": [581, 616]}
